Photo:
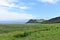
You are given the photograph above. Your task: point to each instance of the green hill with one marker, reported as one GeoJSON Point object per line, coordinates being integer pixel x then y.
{"type": "Point", "coordinates": [53, 20]}
{"type": "Point", "coordinates": [35, 20]}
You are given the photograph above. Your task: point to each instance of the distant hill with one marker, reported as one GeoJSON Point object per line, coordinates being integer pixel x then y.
{"type": "Point", "coordinates": [32, 21]}
{"type": "Point", "coordinates": [35, 21]}
{"type": "Point", "coordinates": [52, 20]}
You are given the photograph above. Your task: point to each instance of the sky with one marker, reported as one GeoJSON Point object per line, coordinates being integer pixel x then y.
{"type": "Point", "coordinates": [11, 10]}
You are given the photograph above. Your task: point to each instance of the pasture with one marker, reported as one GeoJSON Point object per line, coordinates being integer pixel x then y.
{"type": "Point", "coordinates": [29, 31]}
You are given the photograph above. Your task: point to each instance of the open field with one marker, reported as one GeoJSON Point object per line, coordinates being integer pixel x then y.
{"type": "Point", "coordinates": [29, 31]}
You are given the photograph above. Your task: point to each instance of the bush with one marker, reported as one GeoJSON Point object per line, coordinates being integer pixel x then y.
{"type": "Point", "coordinates": [25, 34]}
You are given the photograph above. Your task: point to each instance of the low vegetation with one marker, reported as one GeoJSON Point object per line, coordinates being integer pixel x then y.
{"type": "Point", "coordinates": [29, 31]}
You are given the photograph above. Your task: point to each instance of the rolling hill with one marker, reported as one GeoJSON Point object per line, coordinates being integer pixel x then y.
{"type": "Point", "coordinates": [52, 20]}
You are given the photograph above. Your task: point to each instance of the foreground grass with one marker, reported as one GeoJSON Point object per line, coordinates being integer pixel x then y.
{"type": "Point", "coordinates": [30, 32]}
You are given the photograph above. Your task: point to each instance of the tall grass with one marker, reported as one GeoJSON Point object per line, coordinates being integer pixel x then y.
{"type": "Point", "coordinates": [29, 31]}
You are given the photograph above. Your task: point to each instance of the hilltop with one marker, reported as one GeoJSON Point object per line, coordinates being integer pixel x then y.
{"type": "Point", "coordinates": [52, 20]}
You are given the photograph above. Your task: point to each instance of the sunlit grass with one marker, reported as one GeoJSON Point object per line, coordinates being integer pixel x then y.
{"type": "Point", "coordinates": [29, 31]}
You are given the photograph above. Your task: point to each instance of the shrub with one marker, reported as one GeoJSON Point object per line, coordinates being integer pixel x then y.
{"type": "Point", "coordinates": [25, 34]}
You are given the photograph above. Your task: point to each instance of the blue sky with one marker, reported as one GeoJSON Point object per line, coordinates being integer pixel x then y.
{"type": "Point", "coordinates": [28, 9]}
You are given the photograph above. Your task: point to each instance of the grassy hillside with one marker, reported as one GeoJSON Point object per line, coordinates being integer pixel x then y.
{"type": "Point", "coordinates": [35, 21]}
{"type": "Point", "coordinates": [29, 31]}
{"type": "Point", "coordinates": [50, 21]}
{"type": "Point", "coordinates": [53, 20]}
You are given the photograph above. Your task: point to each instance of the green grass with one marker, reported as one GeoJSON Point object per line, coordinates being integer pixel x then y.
{"type": "Point", "coordinates": [29, 31]}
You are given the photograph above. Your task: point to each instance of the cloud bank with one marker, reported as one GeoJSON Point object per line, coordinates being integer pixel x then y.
{"type": "Point", "coordinates": [49, 1]}
{"type": "Point", "coordinates": [5, 14]}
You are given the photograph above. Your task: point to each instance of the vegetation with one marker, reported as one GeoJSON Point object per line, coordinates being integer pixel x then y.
{"type": "Point", "coordinates": [35, 21]}
{"type": "Point", "coordinates": [29, 31]}
{"type": "Point", "coordinates": [52, 20]}
{"type": "Point", "coordinates": [32, 21]}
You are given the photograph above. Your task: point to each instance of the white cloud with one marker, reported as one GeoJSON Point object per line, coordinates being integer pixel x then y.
{"type": "Point", "coordinates": [12, 0]}
{"type": "Point", "coordinates": [3, 2]}
{"type": "Point", "coordinates": [6, 15]}
{"type": "Point", "coordinates": [24, 7]}
{"type": "Point", "coordinates": [49, 1]}
{"type": "Point", "coordinates": [10, 3]}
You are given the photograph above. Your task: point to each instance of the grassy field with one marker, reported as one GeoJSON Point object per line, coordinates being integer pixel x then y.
{"type": "Point", "coordinates": [29, 31]}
